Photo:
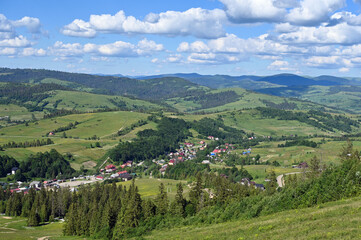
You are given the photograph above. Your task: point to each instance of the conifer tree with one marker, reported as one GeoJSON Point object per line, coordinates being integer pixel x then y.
{"type": "Point", "coordinates": [34, 218]}
{"type": "Point", "coordinates": [162, 200]}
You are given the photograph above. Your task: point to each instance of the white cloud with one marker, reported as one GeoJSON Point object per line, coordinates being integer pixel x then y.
{"type": "Point", "coordinates": [280, 65]}
{"type": "Point", "coordinates": [196, 22]}
{"type": "Point", "coordinates": [344, 69]}
{"type": "Point", "coordinates": [79, 28]}
{"type": "Point", "coordinates": [328, 62]}
{"type": "Point", "coordinates": [311, 12]}
{"type": "Point", "coordinates": [254, 11]}
{"type": "Point", "coordinates": [34, 52]}
{"type": "Point", "coordinates": [32, 24]}
{"type": "Point", "coordinates": [19, 42]}
{"type": "Point", "coordinates": [8, 51]}
{"type": "Point", "coordinates": [342, 33]}
{"type": "Point", "coordinates": [117, 49]}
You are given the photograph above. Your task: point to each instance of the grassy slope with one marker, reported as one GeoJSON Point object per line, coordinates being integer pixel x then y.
{"type": "Point", "coordinates": [83, 101]}
{"type": "Point", "coordinates": [335, 220]}
{"type": "Point", "coordinates": [149, 187]}
{"type": "Point", "coordinates": [101, 124]}
{"type": "Point", "coordinates": [344, 100]}
{"type": "Point", "coordinates": [247, 100]}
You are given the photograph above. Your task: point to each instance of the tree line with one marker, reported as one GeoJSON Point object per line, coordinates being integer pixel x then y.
{"type": "Point", "coordinates": [34, 143]}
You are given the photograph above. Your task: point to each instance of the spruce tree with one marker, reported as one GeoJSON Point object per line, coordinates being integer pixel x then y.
{"type": "Point", "coordinates": [162, 200]}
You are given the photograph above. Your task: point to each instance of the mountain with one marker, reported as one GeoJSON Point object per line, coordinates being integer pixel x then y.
{"type": "Point", "coordinates": [295, 80]}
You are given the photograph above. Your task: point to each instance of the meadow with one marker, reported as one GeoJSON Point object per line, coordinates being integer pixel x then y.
{"type": "Point", "coordinates": [334, 220]}
{"type": "Point", "coordinates": [149, 187]}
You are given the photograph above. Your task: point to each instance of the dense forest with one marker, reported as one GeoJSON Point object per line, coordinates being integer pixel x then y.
{"type": "Point", "coordinates": [151, 143]}
{"type": "Point", "coordinates": [210, 100]}
{"type": "Point", "coordinates": [48, 165]}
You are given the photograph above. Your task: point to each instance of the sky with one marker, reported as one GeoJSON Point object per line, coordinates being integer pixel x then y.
{"type": "Point", "coordinates": [149, 37]}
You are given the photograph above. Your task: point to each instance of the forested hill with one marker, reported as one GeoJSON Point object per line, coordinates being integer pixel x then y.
{"type": "Point", "coordinates": [154, 89]}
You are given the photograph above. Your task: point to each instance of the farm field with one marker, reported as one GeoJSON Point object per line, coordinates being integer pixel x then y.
{"type": "Point", "coordinates": [334, 220]}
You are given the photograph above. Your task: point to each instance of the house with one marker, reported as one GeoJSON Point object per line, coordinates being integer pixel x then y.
{"type": "Point", "coordinates": [206, 162]}
{"type": "Point", "coordinates": [129, 163]}
{"type": "Point", "coordinates": [51, 134]}
{"type": "Point", "coordinates": [110, 166]}
{"type": "Point", "coordinates": [259, 186]}
{"type": "Point", "coordinates": [172, 162]}
{"type": "Point", "coordinates": [210, 137]}
{"type": "Point", "coordinates": [13, 170]}
{"type": "Point", "coordinates": [35, 184]}
{"type": "Point", "coordinates": [114, 175]}
{"type": "Point", "coordinates": [99, 178]}
{"type": "Point", "coordinates": [301, 165]}
{"type": "Point", "coordinates": [123, 165]}
{"type": "Point", "coordinates": [126, 177]}
{"type": "Point", "coordinates": [122, 172]}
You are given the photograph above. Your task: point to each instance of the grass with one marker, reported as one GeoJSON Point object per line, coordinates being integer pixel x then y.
{"type": "Point", "coordinates": [15, 228]}
{"type": "Point", "coordinates": [149, 187]}
{"type": "Point", "coordinates": [252, 121]}
{"type": "Point", "coordinates": [103, 125]}
{"type": "Point", "coordinates": [17, 113]}
{"type": "Point", "coordinates": [334, 220]}
{"type": "Point", "coordinates": [84, 101]}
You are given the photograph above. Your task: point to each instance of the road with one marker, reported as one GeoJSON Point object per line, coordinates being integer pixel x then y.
{"type": "Point", "coordinates": [280, 179]}
{"type": "Point", "coordinates": [76, 183]}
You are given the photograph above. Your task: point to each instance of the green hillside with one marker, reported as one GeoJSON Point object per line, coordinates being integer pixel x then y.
{"type": "Point", "coordinates": [335, 220]}
{"type": "Point", "coordinates": [244, 99]}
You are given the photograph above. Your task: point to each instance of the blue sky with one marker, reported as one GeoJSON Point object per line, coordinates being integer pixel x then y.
{"type": "Point", "coordinates": [146, 37]}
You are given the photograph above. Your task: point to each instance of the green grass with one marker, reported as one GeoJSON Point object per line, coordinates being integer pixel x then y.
{"type": "Point", "coordinates": [83, 101]}
{"type": "Point", "coordinates": [103, 125]}
{"type": "Point", "coordinates": [17, 113]}
{"type": "Point", "coordinates": [15, 228]}
{"type": "Point", "coordinates": [149, 187]}
{"type": "Point", "coordinates": [334, 220]}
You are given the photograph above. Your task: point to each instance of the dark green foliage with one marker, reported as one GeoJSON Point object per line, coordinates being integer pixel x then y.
{"type": "Point", "coordinates": [185, 170]}
{"type": "Point", "coordinates": [26, 95]}
{"type": "Point", "coordinates": [34, 143]}
{"type": "Point", "coordinates": [299, 143]}
{"type": "Point", "coordinates": [216, 128]}
{"type": "Point", "coordinates": [170, 132]}
{"type": "Point", "coordinates": [210, 100]}
{"type": "Point", "coordinates": [65, 128]}
{"type": "Point", "coordinates": [6, 164]}
{"type": "Point", "coordinates": [46, 165]}
{"type": "Point", "coordinates": [285, 105]}
{"type": "Point", "coordinates": [318, 119]}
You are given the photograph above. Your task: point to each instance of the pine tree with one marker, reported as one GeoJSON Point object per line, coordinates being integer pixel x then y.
{"type": "Point", "coordinates": [162, 200]}
{"type": "Point", "coordinates": [34, 218]}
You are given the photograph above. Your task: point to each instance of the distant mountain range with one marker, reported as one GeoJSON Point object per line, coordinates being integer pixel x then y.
{"type": "Point", "coordinates": [259, 82]}
{"type": "Point", "coordinates": [194, 92]}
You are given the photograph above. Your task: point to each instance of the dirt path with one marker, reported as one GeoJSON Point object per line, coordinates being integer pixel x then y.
{"type": "Point", "coordinates": [281, 180]}
{"type": "Point", "coordinates": [44, 238]}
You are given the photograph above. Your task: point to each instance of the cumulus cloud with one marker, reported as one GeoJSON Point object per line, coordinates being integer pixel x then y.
{"type": "Point", "coordinates": [117, 49]}
{"type": "Point", "coordinates": [19, 41]}
{"type": "Point", "coordinates": [196, 22]}
{"type": "Point", "coordinates": [280, 65]}
{"type": "Point", "coordinates": [343, 34]}
{"type": "Point", "coordinates": [311, 12]}
{"type": "Point", "coordinates": [254, 11]}
{"type": "Point", "coordinates": [8, 51]}
{"type": "Point", "coordinates": [33, 52]}
{"type": "Point", "coordinates": [32, 24]}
